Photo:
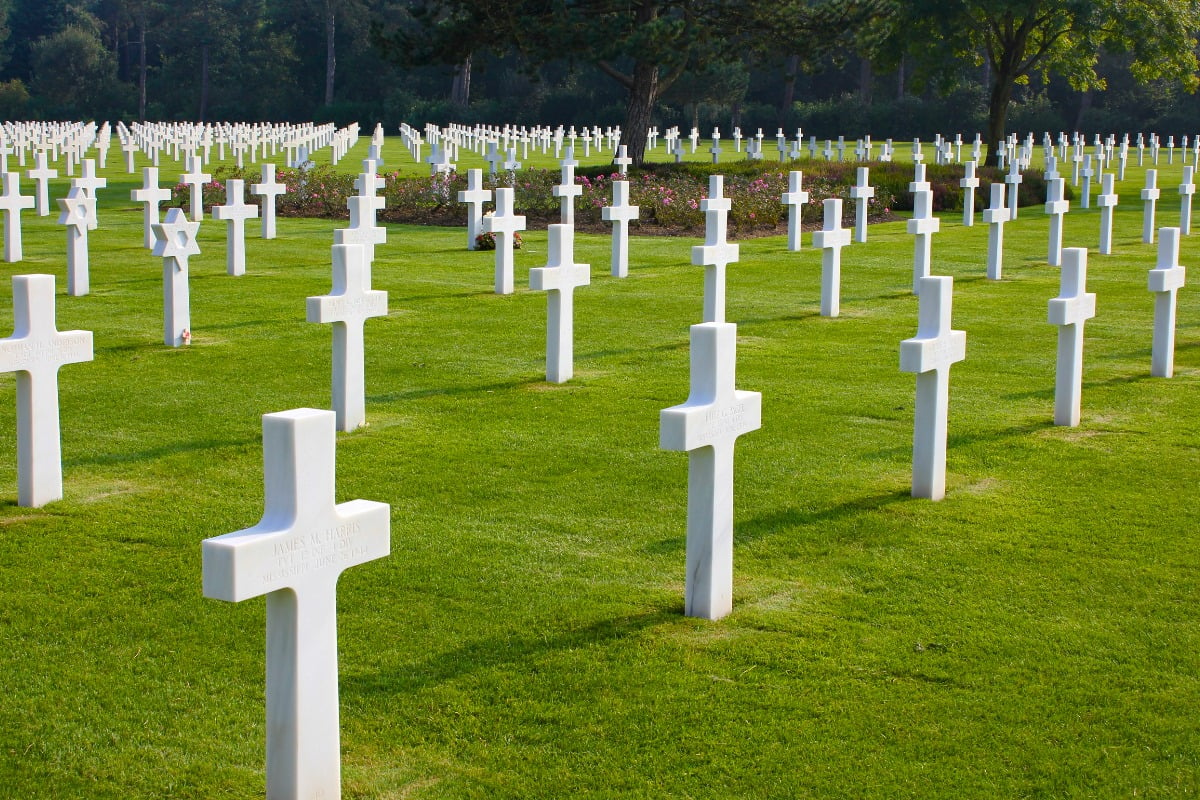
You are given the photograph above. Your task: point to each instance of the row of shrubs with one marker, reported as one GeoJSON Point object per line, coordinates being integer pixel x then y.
{"type": "Point", "coordinates": [669, 195]}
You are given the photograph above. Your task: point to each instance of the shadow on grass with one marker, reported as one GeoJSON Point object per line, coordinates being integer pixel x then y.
{"type": "Point", "coordinates": [454, 391]}
{"type": "Point", "coordinates": [153, 453]}
{"type": "Point", "coordinates": [789, 518]}
{"type": "Point", "coordinates": [507, 651]}
{"type": "Point", "coordinates": [626, 351]}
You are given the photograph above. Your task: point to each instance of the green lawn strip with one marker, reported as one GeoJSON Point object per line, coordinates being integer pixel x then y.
{"type": "Point", "coordinates": [1032, 635]}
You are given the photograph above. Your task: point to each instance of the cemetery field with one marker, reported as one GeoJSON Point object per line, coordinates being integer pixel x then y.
{"type": "Point", "coordinates": [1035, 634]}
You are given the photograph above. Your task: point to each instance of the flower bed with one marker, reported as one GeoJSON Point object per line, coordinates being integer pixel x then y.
{"type": "Point", "coordinates": [669, 195]}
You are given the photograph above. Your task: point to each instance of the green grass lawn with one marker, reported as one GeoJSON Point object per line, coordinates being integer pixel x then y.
{"type": "Point", "coordinates": [1036, 634]}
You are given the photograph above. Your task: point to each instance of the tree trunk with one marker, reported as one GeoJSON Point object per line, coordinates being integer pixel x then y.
{"type": "Point", "coordinates": [330, 50]}
{"type": "Point", "coordinates": [460, 89]}
{"type": "Point", "coordinates": [789, 90]}
{"type": "Point", "coordinates": [997, 116]}
{"type": "Point", "coordinates": [642, 95]}
{"type": "Point", "coordinates": [900, 79]}
{"type": "Point", "coordinates": [1085, 105]}
{"type": "Point", "coordinates": [203, 81]}
{"type": "Point", "coordinates": [142, 66]}
{"type": "Point", "coordinates": [864, 81]}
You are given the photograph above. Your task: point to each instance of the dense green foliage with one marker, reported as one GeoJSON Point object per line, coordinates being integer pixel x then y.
{"type": "Point", "coordinates": [833, 68]}
{"type": "Point", "coordinates": [1036, 634]}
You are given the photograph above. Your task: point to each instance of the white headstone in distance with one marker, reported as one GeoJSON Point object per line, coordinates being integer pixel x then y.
{"type": "Point", "coordinates": [1150, 200]}
{"type": "Point", "coordinates": [35, 352]}
{"type": "Point", "coordinates": [1165, 280]}
{"type": "Point", "coordinates": [1056, 207]}
{"type": "Point", "coordinates": [1107, 200]}
{"type": "Point", "coordinates": [1014, 180]}
{"type": "Point", "coordinates": [1187, 191]}
{"type": "Point", "coordinates": [78, 211]}
{"type": "Point", "coordinates": [922, 226]}
{"type": "Point", "coordinates": [623, 161]}
{"type": "Point", "coordinates": [235, 212]}
{"type": "Point", "coordinates": [503, 224]}
{"type": "Point", "coordinates": [930, 354]}
{"type": "Point", "coordinates": [363, 230]}
{"type": "Point", "coordinates": [861, 192]}
{"type": "Point", "coordinates": [716, 253]}
{"type": "Point", "coordinates": [174, 242]}
{"type": "Point", "coordinates": [1087, 172]}
{"type": "Point", "coordinates": [619, 214]}
{"type": "Point", "coordinates": [12, 202]}
{"type": "Point", "coordinates": [995, 217]}
{"type": "Point", "coordinates": [195, 178]}
{"type": "Point", "coordinates": [351, 303]}
{"type": "Point", "coordinates": [90, 183]}
{"type": "Point", "coordinates": [969, 183]}
{"type": "Point", "coordinates": [830, 240]}
{"type": "Point", "coordinates": [151, 194]}
{"type": "Point", "coordinates": [41, 176]}
{"type": "Point", "coordinates": [707, 427]}
{"type": "Point", "coordinates": [795, 198]}
{"type": "Point", "coordinates": [1073, 306]}
{"type": "Point", "coordinates": [294, 556]}
{"type": "Point", "coordinates": [566, 192]}
{"type": "Point", "coordinates": [268, 189]}
{"type": "Point", "coordinates": [559, 279]}
{"type": "Point", "coordinates": [474, 196]}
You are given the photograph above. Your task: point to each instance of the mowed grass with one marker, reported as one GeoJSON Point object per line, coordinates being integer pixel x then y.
{"type": "Point", "coordinates": [1035, 634]}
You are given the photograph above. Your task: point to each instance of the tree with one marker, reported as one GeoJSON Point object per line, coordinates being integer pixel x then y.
{"type": "Point", "coordinates": [644, 45]}
{"type": "Point", "coordinates": [1020, 38]}
{"type": "Point", "coordinates": [74, 75]}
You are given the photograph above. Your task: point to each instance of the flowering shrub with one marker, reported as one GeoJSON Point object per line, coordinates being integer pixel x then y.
{"type": "Point", "coordinates": [487, 241]}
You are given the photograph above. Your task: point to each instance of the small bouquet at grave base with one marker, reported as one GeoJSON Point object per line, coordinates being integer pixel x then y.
{"type": "Point", "coordinates": [487, 241]}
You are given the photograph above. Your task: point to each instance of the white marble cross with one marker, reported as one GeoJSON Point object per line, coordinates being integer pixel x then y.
{"type": "Point", "coordinates": [12, 202]}
{"type": "Point", "coordinates": [195, 179]}
{"type": "Point", "coordinates": [35, 352]}
{"type": "Point", "coordinates": [474, 196]}
{"type": "Point", "coordinates": [493, 158]}
{"type": "Point", "coordinates": [995, 217]}
{"type": "Point", "coordinates": [919, 184]}
{"type": "Point", "coordinates": [566, 192]}
{"type": "Point", "coordinates": [151, 194]}
{"type": "Point", "coordinates": [1107, 200]}
{"type": "Point", "coordinates": [559, 278]}
{"type": "Point", "coordinates": [861, 192]}
{"type": "Point", "coordinates": [294, 556]}
{"type": "Point", "coordinates": [620, 213]}
{"type": "Point", "coordinates": [268, 189]}
{"type": "Point", "coordinates": [369, 181]}
{"type": "Point", "coordinates": [830, 240]}
{"type": "Point", "coordinates": [1014, 180]}
{"type": "Point", "coordinates": [41, 176]}
{"type": "Point", "coordinates": [969, 183]}
{"type": "Point", "coordinates": [1150, 197]}
{"type": "Point", "coordinates": [78, 211]}
{"type": "Point", "coordinates": [363, 229]}
{"type": "Point", "coordinates": [1187, 190]}
{"type": "Point", "coordinates": [89, 182]}
{"type": "Point", "coordinates": [707, 427]}
{"type": "Point", "coordinates": [1087, 172]}
{"type": "Point", "coordinates": [715, 150]}
{"type": "Point", "coordinates": [174, 242]}
{"type": "Point", "coordinates": [1069, 311]}
{"type": "Point", "coordinates": [351, 303]}
{"type": "Point", "coordinates": [623, 161]}
{"type": "Point", "coordinates": [1056, 206]}
{"type": "Point", "coordinates": [922, 226]}
{"type": "Point", "coordinates": [502, 225]}
{"type": "Point", "coordinates": [235, 212]}
{"type": "Point", "coordinates": [1165, 280]}
{"type": "Point", "coordinates": [795, 198]}
{"type": "Point", "coordinates": [716, 253]}
{"type": "Point", "coordinates": [930, 354]}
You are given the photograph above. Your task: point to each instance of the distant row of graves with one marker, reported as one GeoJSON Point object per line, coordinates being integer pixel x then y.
{"type": "Point", "coordinates": [305, 539]}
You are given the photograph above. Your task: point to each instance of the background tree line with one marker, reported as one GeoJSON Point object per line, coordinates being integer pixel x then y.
{"type": "Point", "coordinates": [899, 68]}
